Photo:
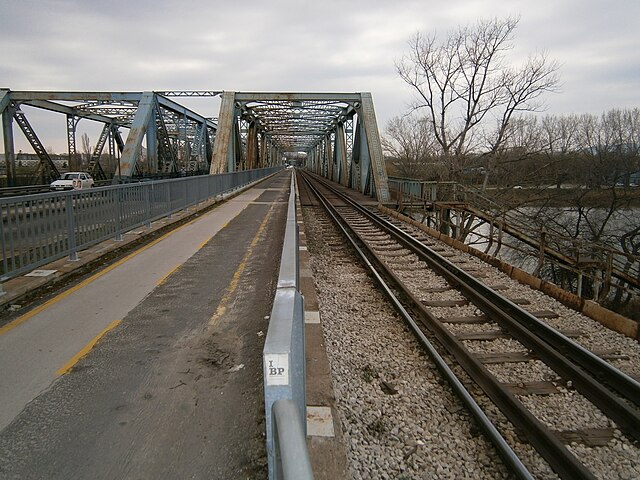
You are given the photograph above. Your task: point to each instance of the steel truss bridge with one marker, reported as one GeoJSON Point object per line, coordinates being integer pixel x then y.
{"type": "Point", "coordinates": [337, 132]}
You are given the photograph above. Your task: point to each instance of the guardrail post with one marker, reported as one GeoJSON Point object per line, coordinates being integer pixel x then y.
{"type": "Point", "coordinates": [147, 203]}
{"type": "Point", "coordinates": [118, 194]}
{"type": "Point", "coordinates": [169, 186]}
{"type": "Point", "coordinates": [5, 256]}
{"type": "Point", "coordinates": [71, 230]}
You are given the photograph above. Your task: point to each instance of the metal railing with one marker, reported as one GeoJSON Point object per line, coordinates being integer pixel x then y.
{"type": "Point", "coordinates": [284, 366]}
{"type": "Point", "coordinates": [605, 267]}
{"type": "Point", "coordinates": [38, 229]}
{"type": "Point", "coordinates": [291, 455]}
{"type": "Point", "coordinates": [409, 191]}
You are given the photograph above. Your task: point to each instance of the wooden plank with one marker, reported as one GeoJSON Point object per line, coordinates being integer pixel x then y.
{"type": "Point", "coordinates": [520, 301]}
{"type": "Point", "coordinates": [506, 357]}
{"type": "Point", "coordinates": [477, 273]}
{"type": "Point", "coordinates": [572, 333]}
{"type": "Point", "coordinates": [499, 287]}
{"type": "Point", "coordinates": [544, 314]}
{"type": "Point", "coordinates": [488, 335]}
{"type": "Point", "coordinates": [532, 388]}
{"type": "Point", "coordinates": [592, 437]}
{"type": "Point", "coordinates": [445, 303]}
{"type": "Point", "coordinates": [610, 355]}
{"type": "Point", "coordinates": [437, 289]}
{"type": "Point", "coordinates": [495, 334]}
{"type": "Point", "coordinates": [472, 319]}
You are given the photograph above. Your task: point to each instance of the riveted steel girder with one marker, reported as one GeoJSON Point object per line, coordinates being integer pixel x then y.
{"type": "Point", "coordinates": [133, 144]}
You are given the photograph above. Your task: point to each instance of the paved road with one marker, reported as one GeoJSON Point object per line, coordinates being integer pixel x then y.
{"type": "Point", "coordinates": [173, 387]}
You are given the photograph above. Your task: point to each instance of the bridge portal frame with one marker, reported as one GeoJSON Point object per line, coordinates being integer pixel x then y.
{"type": "Point", "coordinates": [257, 128]}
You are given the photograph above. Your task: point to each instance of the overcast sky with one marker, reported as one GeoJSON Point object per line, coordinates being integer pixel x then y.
{"type": "Point", "coordinates": [287, 45]}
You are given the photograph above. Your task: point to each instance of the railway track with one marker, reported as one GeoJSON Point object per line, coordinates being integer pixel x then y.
{"type": "Point", "coordinates": [483, 340]}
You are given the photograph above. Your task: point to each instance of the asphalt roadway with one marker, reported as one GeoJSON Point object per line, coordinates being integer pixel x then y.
{"type": "Point", "coordinates": [152, 367]}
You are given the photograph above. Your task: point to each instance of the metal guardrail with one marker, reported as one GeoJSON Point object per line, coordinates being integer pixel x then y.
{"type": "Point", "coordinates": [291, 455]}
{"type": "Point", "coordinates": [407, 190]}
{"type": "Point", "coordinates": [40, 228]}
{"type": "Point", "coordinates": [284, 366]}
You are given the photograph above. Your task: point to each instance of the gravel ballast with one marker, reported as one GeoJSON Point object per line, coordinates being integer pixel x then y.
{"type": "Point", "coordinates": [399, 418]}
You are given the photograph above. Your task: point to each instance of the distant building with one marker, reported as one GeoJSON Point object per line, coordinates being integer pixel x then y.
{"type": "Point", "coordinates": [61, 161]}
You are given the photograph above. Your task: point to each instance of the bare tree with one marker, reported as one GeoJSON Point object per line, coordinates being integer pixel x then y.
{"type": "Point", "coordinates": [465, 83]}
{"type": "Point", "coordinates": [86, 149]}
{"type": "Point", "coordinates": [410, 144]}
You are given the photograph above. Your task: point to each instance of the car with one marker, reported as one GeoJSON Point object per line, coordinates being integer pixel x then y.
{"type": "Point", "coordinates": [73, 181]}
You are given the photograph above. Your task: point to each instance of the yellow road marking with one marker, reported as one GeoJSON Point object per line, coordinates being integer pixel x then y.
{"type": "Point", "coordinates": [23, 318]}
{"type": "Point", "coordinates": [233, 285]}
{"type": "Point", "coordinates": [166, 275]}
{"type": "Point", "coordinates": [87, 348]}
{"type": "Point", "coordinates": [209, 239]}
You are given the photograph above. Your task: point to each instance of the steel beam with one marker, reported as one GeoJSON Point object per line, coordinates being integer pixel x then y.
{"type": "Point", "coordinates": [5, 99]}
{"type": "Point", "coordinates": [67, 110]}
{"type": "Point", "coordinates": [47, 171]}
{"type": "Point", "coordinates": [182, 110]}
{"type": "Point", "coordinates": [133, 145]}
{"type": "Point", "coordinates": [9, 149]}
{"type": "Point", "coordinates": [76, 96]}
{"type": "Point", "coordinates": [223, 148]}
{"type": "Point", "coordinates": [374, 147]}
{"type": "Point", "coordinates": [71, 142]}
{"type": "Point", "coordinates": [305, 97]}
{"type": "Point", "coordinates": [341, 155]}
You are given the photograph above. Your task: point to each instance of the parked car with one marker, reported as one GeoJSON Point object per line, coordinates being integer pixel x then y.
{"type": "Point", "coordinates": [73, 181]}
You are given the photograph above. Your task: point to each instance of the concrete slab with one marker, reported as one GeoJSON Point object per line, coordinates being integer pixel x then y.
{"type": "Point", "coordinates": [319, 422]}
{"type": "Point", "coordinates": [312, 317]}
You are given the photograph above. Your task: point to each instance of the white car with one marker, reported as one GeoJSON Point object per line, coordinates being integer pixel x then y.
{"type": "Point", "coordinates": [73, 181]}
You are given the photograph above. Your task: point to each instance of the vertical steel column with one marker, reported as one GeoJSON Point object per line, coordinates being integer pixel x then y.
{"type": "Point", "coordinates": [133, 145]}
{"type": "Point", "coordinates": [374, 147]}
{"type": "Point", "coordinates": [71, 143]}
{"type": "Point", "coordinates": [7, 135]}
{"type": "Point", "coordinates": [328, 154]}
{"type": "Point", "coordinates": [252, 146]}
{"type": "Point", "coordinates": [318, 160]}
{"type": "Point", "coordinates": [223, 148]}
{"type": "Point", "coordinates": [362, 157]}
{"type": "Point", "coordinates": [71, 229]}
{"type": "Point", "coordinates": [341, 155]}
{"type": "Point", "coordinates": [263, 150]}
{"type": "Point", "coordinates": [152, 141]}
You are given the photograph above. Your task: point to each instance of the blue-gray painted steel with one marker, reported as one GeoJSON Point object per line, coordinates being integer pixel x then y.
{"type": "Point", "coordinates": [38, 229]}
{"type": "Point", "coordinates": [291, 455]}
{"type": "Point", "coordinates": [283, 353]}
{"type": "Point", "coordinates": [137, 133]}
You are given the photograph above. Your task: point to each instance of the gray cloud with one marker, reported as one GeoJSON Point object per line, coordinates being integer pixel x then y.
{"type": "Point", "coordinates": [292, 45]}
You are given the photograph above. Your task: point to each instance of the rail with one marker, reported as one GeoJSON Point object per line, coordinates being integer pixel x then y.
{"type": "Point", "coordinates": [41, 228]}
{"type": "Point", "coordinates": [460, 390]}
{"type": "Point", "coordinates": [284, 365]}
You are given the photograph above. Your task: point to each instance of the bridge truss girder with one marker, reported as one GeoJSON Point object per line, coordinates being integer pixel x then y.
{"type": "Point", "coordinates": [256, 129]}
{"type": "Point", "coordinates": [177, 139]}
